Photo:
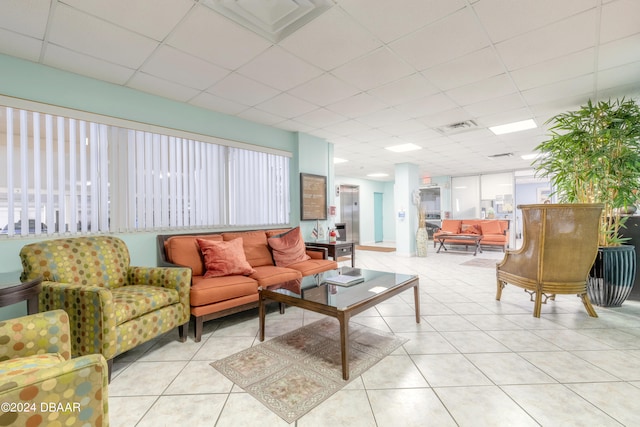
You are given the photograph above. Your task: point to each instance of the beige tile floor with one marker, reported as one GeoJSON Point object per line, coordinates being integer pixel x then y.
{"type": "Point", "coordinates": [473, 361]}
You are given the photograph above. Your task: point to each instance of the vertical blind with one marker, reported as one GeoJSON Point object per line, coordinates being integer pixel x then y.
{"type": "Point", "coordinates": [71, 176]}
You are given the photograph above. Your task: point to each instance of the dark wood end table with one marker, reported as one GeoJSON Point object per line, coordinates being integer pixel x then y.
{"type": "Point", "coordinates": [337, 249]}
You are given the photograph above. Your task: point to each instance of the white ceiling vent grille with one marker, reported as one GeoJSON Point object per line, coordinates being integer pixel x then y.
{"type": "Point", "coordinates": [458, 127]}
{"type": "Point", "coordinates": [272, 19]}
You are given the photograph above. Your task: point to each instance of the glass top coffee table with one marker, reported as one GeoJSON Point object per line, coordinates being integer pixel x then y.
{"type": "Point", "coordinates": [342, 302]}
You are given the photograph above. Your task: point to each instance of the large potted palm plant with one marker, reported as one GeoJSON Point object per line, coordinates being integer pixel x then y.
{"type": "Point", "coordinates": [593, 156]}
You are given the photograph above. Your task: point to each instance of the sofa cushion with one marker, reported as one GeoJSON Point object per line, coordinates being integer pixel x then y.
{"type": "Point", "coordinates": [470, 229]}
{"type": "Point", "coordinates": [491, 227]}
{"type": "Point", "coordinates": [451, 226]}
{"type": "Point", "coordinates": [288, 248]}
{"type": "Point", "coordinates": [134, 301]}
{"type": "Point", "coordinates": [185, 251]}
{"type": "Point", "coordinates": [212, 290]}
{"type": "Point", "coordinates": [256, 248]}
{"type": "Point", "coordinates": [224, 258]}
{"type": "Point", "coordinates": [269, 275]}
{"type": "Point", "coordinates": [314, 266]}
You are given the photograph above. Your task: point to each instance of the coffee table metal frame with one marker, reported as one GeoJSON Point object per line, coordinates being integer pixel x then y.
{"type": "Point", "coordinates": [474, 239]}
{"type": "Point", "coordinates": [343, 314]}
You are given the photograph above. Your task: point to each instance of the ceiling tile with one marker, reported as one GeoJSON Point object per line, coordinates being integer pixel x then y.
{"type": "Point", "coordinates": [86, 34]}
{"type": "Point", "coordinates": [320, 118]}
{"type": "Point", "coordinates": [406, 127]}
{"type": "Point", "coordinates": [324, 90]}
{"type": "Point", "coordinates": [357, 105]}
{"type": "Point", "coordinates": [287, 106]}
{"type": "Point", "coordinates": [624, 77]}
{"type": "Point", "coordinates": [407, 89]}
{"type": "Point", "coordinates": [154, 85]}
{"type": "Point", "coordinates": [242, 90]}
{"type": "Point", "coordinates": [454, 36]}
{"type": "Point", "coordinates": [619, 52]}
{"type": "Point", "coordinates": [506, 19]}
{"type": "Point", "coordinates": [260, 116]}
{"type": "Point", "coordinates": [20, 46]}
{"type": "Point", "coordinates": [425, 106]}
{"type": "Point", "coordinates": [348, 127]}
{"type": "Point", "coordinates": [369, 135]}
{"type": "Point", "coordinates": [215, 39]}
{"type": "Point", "coordinates": [391, 20]}
{"type": "Point", "coordinates": [553, 41]}
{"type": "Point", "coordinates": [278, 68]}
{"type": "Point", "coordinates": [134, 15]}
{"type": "Point", "coordinates": [493, 87]}
{"type": "Point", "coordinates": [215, 103]}
{"type": "Point", "coordinates": [619, 19]}
{"type": "Point", "coordinates": [322, 42]}
{"type": "Point", "coordinates": [467, 69]}
{"type": "Point", "coordinates": [495, 105]}
{"type": "Point", "coordinates": [85, 65]}
{"type": "Point", "coordinates": [567, 88]}
{"type": "Point", "coordinates": [26, 17]}
{"type": "Point", "coordinates": [383, 117]}
{"type": "Point", "coordinates": [179, 67]}
{"type": "Point", "coordinates": [551, 71]}
{"type": "Point", "coordinates": [374, 69]}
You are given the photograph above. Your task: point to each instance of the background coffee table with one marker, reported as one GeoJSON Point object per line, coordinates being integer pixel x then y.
{"type": "Point", "coordinates": [342, 302]}
{"type": "Point", "coordinates": [461, 239]}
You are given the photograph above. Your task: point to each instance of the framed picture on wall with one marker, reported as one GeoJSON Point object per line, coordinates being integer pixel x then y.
{"type": "Point", "coordinates": [313, 197]}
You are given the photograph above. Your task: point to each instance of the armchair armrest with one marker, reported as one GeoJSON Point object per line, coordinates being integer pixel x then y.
{"type": "Point", "coordinates": [316, 252]}
{"type": "Point", "coordinates": [76, 387]}
{"type": "Point", "coordinates": [178, 278]}
{"type": "Point", "coordinates": [22, 335]}
{"type": "Point", "coordinates": [94, 327]}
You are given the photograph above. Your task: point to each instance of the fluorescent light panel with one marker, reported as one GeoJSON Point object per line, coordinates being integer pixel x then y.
{"type": "Point", "coordinates": [513, 127]}
{"type": "Point", "coordinates": [377, 174]}
{"type": "Point", "coordinates": [337, 160]}
{"type": "Point", "coordinates": [403, 148]}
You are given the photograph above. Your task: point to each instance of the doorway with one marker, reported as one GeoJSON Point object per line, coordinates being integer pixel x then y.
{"type": "Point", "coordinates": [350, 211]}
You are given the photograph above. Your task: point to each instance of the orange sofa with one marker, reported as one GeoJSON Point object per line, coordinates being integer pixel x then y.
{"type": "Point", "coordinates": [495, 232]}
{"type": "Point", "coordinates": [215, 297]}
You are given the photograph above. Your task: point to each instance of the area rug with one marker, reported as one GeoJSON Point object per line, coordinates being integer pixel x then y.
{"type": "Point", "coordinates": [482, 262]}
{"type": "Point", "coordinates": [295, 372]}
{"type": "Point", "coordinates": [375, 248]}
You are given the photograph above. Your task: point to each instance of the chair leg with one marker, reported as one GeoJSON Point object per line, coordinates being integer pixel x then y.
{"type": "Point", "coordinates": [587, 304]}
{"type": "Point", "coordinates": [282, 307]}
{"type": "Point", "coordinates": [501, 285]}
{"type": "Point", "coordinates": [537, 304]}
{"type": "Point", "coordinates": [199, 321]}
{"type": "Point", "coordinates": [182, 331]}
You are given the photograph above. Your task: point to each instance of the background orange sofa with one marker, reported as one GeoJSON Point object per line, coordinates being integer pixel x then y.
{"type": "Point", "coordinates": [495, 232]}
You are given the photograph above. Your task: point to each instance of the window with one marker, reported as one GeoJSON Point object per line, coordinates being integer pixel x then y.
{"type": "Point", "coordinates": [65, 175]}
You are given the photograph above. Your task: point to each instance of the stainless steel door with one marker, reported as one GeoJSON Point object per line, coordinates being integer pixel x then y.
{"type": "Point", "coordinates": [350, 211]}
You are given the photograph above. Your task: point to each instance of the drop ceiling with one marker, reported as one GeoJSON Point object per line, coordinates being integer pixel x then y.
{"type": "Point", "coordinates": [364, 74]}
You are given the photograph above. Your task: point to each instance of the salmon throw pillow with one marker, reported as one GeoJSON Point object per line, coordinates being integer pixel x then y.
{"type": "Point", "coordinates": [224, 258]}
{"type": "Point", "coordinates": [288, 248]}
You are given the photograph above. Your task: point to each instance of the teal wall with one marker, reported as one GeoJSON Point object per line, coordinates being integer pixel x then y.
{"type": "Point", "coordinates": [27, 80]}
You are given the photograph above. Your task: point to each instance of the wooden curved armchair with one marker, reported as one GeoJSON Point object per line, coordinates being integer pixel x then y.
{"type": "Point", "coordinates": [560, 244]}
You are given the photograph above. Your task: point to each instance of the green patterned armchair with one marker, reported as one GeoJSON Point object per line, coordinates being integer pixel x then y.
{"type": "Point", "coordinates": [113, 307]}
{"type": "Point", "coordinates": [40, 384]}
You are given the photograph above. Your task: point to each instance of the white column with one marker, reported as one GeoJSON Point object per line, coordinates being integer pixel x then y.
{"type": "Point", "coordinates": [406, 214]}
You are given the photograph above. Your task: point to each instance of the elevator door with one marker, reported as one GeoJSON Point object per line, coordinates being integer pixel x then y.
{"type": "Point", "coordinates": [350, 211]}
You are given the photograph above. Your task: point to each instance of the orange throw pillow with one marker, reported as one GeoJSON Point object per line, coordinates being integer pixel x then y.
{"type": "Point", "coordinates": [288, 248]}
{"type": "Point", "coordinates": [224, 258]}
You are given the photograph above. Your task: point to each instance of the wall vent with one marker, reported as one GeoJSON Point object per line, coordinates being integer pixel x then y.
{"type": "Point", "coordinates": [499, 156]}
{"type": "Point", "coordinates": [458, 127]}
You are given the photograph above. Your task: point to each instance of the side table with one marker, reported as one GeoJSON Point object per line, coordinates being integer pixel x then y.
{"type": "Point", "coordinates": [13, 291]}
{"type": "Point", "coordinates": [337, 249]}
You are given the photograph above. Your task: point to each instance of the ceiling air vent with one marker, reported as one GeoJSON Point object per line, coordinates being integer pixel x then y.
{"type": "Point", "coordinates": [458, 127]}
{"type": "Point", "coordinates": [500, 156]}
